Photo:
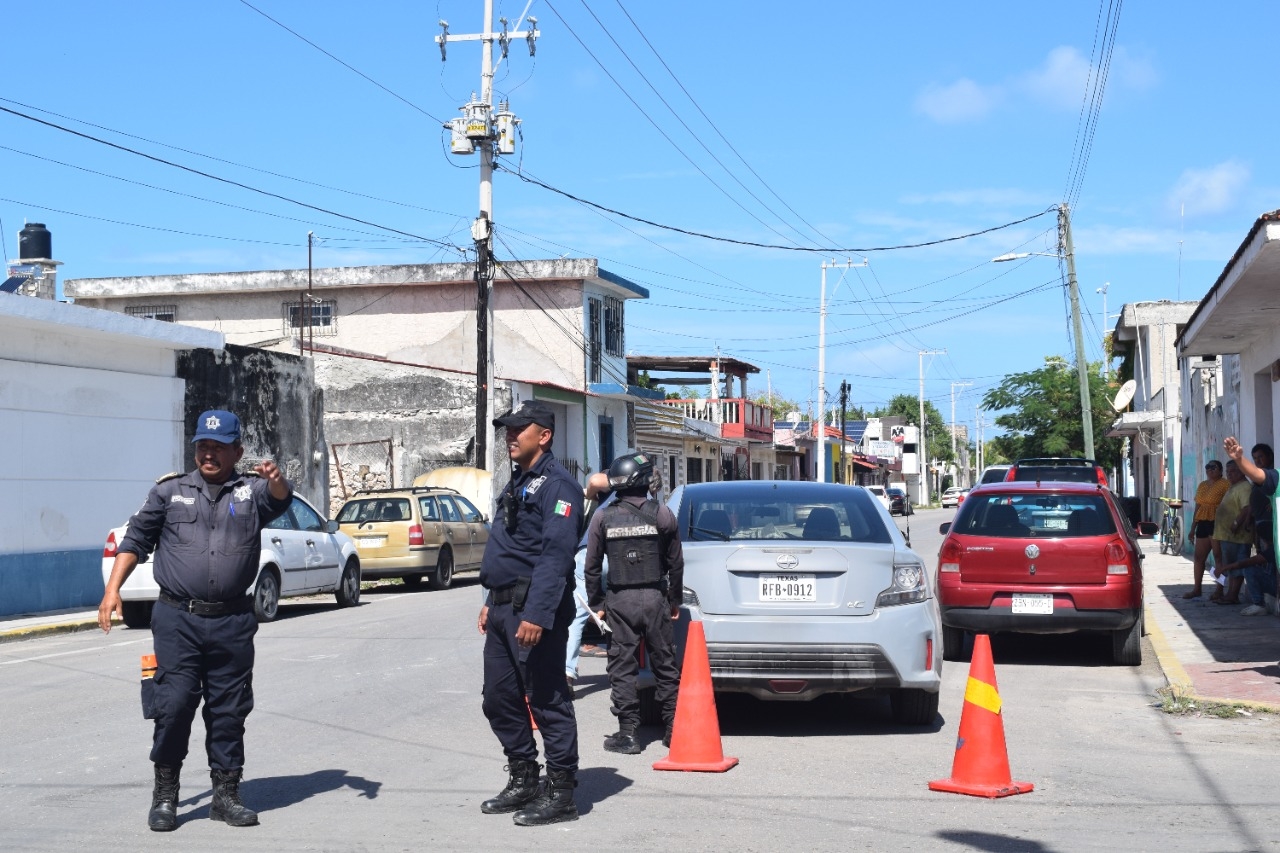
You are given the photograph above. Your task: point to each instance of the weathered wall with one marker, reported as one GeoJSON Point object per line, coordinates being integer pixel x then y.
{"type": "Point", "coordinates": [279, 405]}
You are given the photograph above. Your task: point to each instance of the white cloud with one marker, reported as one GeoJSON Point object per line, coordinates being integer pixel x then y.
{"type": "Point", "coordinates": [963, 100]}
{"type": "Point", "coordinates": [1062, 79]}
{"type": "Point", "coordinates": [1209, 191]}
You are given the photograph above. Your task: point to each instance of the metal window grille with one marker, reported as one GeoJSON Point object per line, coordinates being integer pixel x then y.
{"type": "Point", "coordinates": [595, 310]}
{"type": "Point", "coordinates": [324, 317]}
{"type": "Point", "coordinates": [613, 326]}
{"type": "Point", "coordinates": [164, 313]}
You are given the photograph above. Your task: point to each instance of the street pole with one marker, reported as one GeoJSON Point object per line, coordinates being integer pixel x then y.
{"type": "Point", "coordinates": [844, 405]}
{"type": "Point", "coordinates": [954, 458]}
{"type": "Point", "coordinates": [1102, 329]}
{"type": "Point", "coordinates": [820, 435]}
{"type": "Point", "coordinates": [924, 454]}
{"type": "Point", "coordinates": [1082, 364]}
{"type": "Point", "coordinates": [478, 131]}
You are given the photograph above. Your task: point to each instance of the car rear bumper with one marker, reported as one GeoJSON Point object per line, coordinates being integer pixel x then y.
{"type": "Point", "coordinates": [800, 658]}
{"type": "Point", "coordinates": [418, 560]}
{"type": "Point", "coordinates": [1065, 619]}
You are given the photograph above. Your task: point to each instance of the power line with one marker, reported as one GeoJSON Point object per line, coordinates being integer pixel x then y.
{"type": "Point", "coordinates": [147, 227]}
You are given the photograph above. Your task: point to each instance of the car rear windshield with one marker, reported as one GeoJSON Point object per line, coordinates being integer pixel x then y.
{"type": "Point", "coordinates": [994, 475]}
{"type": "Point", "coordinates": [1058, 473]}
{"type": "Point", "coordinates": [1034, 515]}
{"type": "Point", "coordinates": [782, 512]}
{"type": "Point", "coordinates": [375, 509]}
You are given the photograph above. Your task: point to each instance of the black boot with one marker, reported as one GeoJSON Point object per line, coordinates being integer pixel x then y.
{"type": "Point", "coordinates": [555, 802]}
{"type": "Point", "coordinates": [226, 805]}
{"type": "Point", "coordinates": [163, 816]}
{"type": "Point", "coordinates": [521, 788]}
{"type": "Point", "coordinates": [623, 741]}
{"type": "Point", "coordinates": [666, 735]}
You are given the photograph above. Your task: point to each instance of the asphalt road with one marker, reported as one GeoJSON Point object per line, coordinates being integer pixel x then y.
{"type": "Point", "coordinates": [368, 736]}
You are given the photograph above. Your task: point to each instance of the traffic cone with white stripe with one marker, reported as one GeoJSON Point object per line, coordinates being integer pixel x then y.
{"type": "Point", "coordinates": [981, 766]}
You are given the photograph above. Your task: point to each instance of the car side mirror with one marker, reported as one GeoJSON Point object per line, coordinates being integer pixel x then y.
{"type": "Point", "coordinates": [944, 527]}
{"type": "Point", "coordinates": [331, 526]}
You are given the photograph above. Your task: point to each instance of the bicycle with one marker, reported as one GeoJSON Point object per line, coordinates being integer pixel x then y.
{"type": "Point", "coordinates": [1171, 526]}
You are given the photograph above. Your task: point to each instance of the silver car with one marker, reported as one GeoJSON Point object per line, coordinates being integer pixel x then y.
{"type": "Point", "coordinates": [809, 588]}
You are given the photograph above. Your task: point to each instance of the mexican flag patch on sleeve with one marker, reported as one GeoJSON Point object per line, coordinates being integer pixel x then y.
{"type": "Point", "coordinates": [563, 508]}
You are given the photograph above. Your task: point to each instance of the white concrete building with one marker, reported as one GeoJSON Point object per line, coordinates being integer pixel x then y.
{"type": "Point", "coordinates": [91, 411]}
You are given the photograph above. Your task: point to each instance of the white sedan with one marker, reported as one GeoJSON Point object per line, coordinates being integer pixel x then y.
{"type": "Point", "coordinates": [880, 493]}
{"type": "Point", "coordinates": [302, 554]}
{"type": "Point", "coordinates": [954, 496]}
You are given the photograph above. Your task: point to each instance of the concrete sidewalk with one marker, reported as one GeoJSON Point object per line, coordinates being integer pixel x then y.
{"type": "Point", "coordinates": [1209, 650]}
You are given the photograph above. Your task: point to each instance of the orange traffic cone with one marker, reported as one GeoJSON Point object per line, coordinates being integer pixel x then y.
{"type": "Point", "coordinates": [695, 737]}
{"type": "Point", "coordinates": [981, 766]}
{"type": "Point", "coordinates": [529, 708]}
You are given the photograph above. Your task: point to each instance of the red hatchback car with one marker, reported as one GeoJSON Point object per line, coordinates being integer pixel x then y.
{"type": "Point", "coordinates": [1041, 558]}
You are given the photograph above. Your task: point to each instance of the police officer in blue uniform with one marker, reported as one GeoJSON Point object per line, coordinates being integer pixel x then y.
{"type": "Point", "coordinates": [528, 570]}
{"type": "Point", "coordinates": [204, 528]}
{"type": "Point", "coordinates": [645, 590]}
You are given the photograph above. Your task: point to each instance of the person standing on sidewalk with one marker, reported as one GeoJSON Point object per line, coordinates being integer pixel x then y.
{"type": "Point", "coordinates": [528, 570]}
{"type": "Point", "coordinates": [596, 492]}
{"type": "Point", "coordinates": [204, 528]}
{"type": "Point", "coordinates": [1261, 472]}
{"type": "Point", "coordinates": [645, 589]}
{"type": "Point", "coordinates": [1232, 537]}
{"type": "Point", "coordinates": [1208, 495]}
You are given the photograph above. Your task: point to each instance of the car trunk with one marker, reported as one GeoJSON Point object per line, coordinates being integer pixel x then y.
{"type": "Point", "coordinates": [809, 578]}
{"type": "Point", "coordinates": [1074, 560]}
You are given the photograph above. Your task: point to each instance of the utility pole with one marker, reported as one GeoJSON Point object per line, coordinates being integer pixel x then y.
{"type": "Point", "coordinates": [924, 456]}
{"type": "Point", "coordinates": [954, 386]}
{"type": "Point", "coordinates": [822, 360]}
{"type": "Point", "coordinates": [481, 129]}
{"type": "Point", "coordinates": [977, 417]}
{"type": "Point", "coordinates": [1102, 330]}
{"type": "Point", "coordinates": [844, 406]}
{"type": "Point", "coordinates": [1082, 364]}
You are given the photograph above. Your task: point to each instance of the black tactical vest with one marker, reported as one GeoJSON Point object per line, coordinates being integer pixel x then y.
{"type": "Point", "coordinates": [632, 545]}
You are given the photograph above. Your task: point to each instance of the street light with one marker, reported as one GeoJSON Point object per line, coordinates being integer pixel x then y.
{"type": "Point", "coordinates": [820, 431]}
{"type": "Point", "coordinates": [1065, 252]}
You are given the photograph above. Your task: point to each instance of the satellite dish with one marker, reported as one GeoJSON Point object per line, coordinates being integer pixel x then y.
{"type": "Point", "coordinates": [1124, 395]}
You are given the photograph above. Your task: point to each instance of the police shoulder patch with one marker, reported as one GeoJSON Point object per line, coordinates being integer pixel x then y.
{"type": "Point", "coordinates": [167, 477]}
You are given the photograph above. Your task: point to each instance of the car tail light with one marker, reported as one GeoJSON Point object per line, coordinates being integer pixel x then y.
{"type": "Point", "coordinates": [910, 583]}
{"type": "Point", "coordinates": [1117, 560]}
{"type": "Point", "coordinates": [1011, 475]}
{"type": "Point", "coordinates": [1102, 475]}
{"type": "Point", "coordinates": [415, 534]}
{"type": "Point", "coordinates": [949, 557]}
{"type": "Point", "coordinates": [109, 550]}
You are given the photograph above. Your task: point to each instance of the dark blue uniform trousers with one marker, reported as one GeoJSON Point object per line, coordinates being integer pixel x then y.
{"type": "Point", "coordinates": [510, 672]}
{"type": "Point", "coordinates": [635, 615]}
{"type": "Point", "coordinates": [209, 658]}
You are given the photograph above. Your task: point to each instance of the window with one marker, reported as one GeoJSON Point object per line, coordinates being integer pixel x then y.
{"type": "Point", "coordinates": [613, 326]}
{"type": "Point", "coordinates": [1030, 515]}
{"type": "Point", "coordinates": [783, 511]}
{"type": "Point", "coordinates": [606, 443]}
{"type": "Point", "coordinates": [448, 510]}
{"type": "Point", "coordinates": [306, 517]}
{"type": "Point", "coordinates": [427, 506]}
{"type": "Point", "coordinates": [694, 467]}
{"type": "Point", "coordinates": [470, 514]}
{"type": "Point", "coordinates": [164, 313]}
{"type": "Point", "coordinates": [324, 317]}
{"type": "Point", "coordinates": [595, 310]}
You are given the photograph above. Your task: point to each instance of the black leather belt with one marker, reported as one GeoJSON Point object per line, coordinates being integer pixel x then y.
{"type": "Point", "coordinates": [209, 608]}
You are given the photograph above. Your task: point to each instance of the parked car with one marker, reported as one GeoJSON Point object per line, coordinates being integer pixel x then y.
{"type": "Point", "coordinates": [805, 589]}
{"type": "Point", "coordinates": [302, 554]}
{"type": "Point", "coordinates": [426, 531]}
{"type": "Point", "coordinates": [994, 474]}
{"type": "Point", "coordinates": [1060, 468]}
{"type": "Point", "coordinates": [1041, 558]}
{"type": "Point", "coordinates": [899, 503]}
{"type": "Point", "coordinates": [880, 494]}
{"type": "Point", "coordinates": [954, 496]}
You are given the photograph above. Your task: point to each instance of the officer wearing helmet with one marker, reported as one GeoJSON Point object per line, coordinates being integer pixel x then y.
{"type": "Point", "coordinates": [645, 589]}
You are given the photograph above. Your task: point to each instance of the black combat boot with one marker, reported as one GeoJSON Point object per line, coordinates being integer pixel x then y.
{"type": "Point", "coordinates": [226, 805]}
{"type": "Point", "coordinates": [521, 788]}
{"type": "Point", "coordinates": [554, 803]}
{"type": "Point", "coordinates": [623, 741]}
{"type": "Point", "coordinates": [163, 816]}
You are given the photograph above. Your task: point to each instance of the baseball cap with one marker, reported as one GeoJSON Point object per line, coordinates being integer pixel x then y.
{"type": "Point", "coordinates": [217, 425]}
{"type": "Point", "coordinates": [530, 412]}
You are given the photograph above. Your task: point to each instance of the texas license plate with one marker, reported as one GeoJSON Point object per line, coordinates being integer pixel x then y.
{"type": "Point", "coordinates": [788, 588]}
{"type": "Point", "coordinates": [1033, 603]}
{"type": "Point", "coordinates": [371, 542]}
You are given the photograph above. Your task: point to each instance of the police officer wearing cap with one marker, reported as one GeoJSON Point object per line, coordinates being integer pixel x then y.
{"type": "Point", "coordinates": [646, 588]}
{"type": "Point", "coordinates": [204, 529]}
{"type": "Point", "coordinates": [528, 570]}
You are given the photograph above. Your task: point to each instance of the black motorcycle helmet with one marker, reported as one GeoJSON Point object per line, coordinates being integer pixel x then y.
{"type": "Point", "coordinates": [631, 473]}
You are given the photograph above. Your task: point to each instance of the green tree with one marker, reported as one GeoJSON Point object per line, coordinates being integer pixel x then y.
{"type": "Point", "coordinates": [1042, 414]}
{"type": "Point", "coordinates": [937, 435]}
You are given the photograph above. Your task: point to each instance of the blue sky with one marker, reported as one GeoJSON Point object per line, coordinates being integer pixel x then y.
{"type": "Point", "coordinates": [813, 124]}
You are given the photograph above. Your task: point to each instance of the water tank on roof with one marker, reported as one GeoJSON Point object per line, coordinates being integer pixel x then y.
{"type": "Point", "coordinates": [35, 241]}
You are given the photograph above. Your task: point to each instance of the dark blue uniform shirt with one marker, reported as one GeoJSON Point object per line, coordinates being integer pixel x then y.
{"type": "Point", "coordinates": [542, 543]}
{"type": "Point", "coordinates": [205, 537]}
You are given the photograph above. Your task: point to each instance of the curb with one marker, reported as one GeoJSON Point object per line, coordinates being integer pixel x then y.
{"type": "Point", "coordinates": [16, 634]}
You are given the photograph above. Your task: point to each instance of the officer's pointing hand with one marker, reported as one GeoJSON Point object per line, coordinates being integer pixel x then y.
{"type": "Point", "coordinates": [528, 634]}
{"type": "Point", "coordinates": [276, 482]}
